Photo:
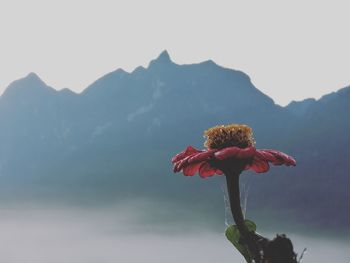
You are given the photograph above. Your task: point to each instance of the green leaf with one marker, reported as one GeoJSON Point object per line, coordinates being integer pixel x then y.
{"type": "Point", "coordinates": [233, 235]}
{"type": "Point", "coordinates": [250, 225]}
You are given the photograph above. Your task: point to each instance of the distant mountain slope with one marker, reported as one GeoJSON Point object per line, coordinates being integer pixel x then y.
{"type": "Point", "coordinates": [116, 138]}
{"type": "Point", "coordinates": [299, 108]}
{"type": "Point", "coordinates": [320, 141]}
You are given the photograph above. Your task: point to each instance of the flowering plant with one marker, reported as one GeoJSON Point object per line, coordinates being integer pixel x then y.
{"type": "Point", "coordinates": [231, 150]}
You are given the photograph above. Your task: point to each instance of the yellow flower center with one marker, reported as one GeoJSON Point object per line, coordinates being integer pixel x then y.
{"type": "Point", "coordinates": [222, 136]}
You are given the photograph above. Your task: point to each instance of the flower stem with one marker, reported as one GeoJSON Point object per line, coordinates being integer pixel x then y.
{"type": "Point", "coordinates": [232, 180]}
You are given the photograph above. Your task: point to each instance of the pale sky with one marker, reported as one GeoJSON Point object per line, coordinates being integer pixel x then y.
{"type": "Point", "coordinates": [291, 49]}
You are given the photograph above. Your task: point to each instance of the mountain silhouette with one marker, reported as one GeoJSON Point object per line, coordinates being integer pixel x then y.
{"type": "Point", "coordinates": [114, 140]}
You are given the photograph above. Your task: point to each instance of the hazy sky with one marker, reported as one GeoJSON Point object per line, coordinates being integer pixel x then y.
{"type": "Point", "coordinates": [291, 49]}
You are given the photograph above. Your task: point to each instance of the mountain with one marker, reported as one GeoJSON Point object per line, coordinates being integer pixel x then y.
{"type": "Point", "coordinates": [114, 141]}
{"type": "Point", "coordinates": [300, 107]}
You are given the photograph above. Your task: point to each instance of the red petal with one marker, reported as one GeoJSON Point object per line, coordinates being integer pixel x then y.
{"type": "Point", "coordinates": [189, 151]}
{"type": "Point", "coordinates": [191, 169]}
{"type": "Point", "coordinates": [258, 165]}
{"type": "Point", "coordinates": [181, 164]}
{"type": "Point", "coordinates": [205, 170]}
{"type": "Point", "coordinates": [264, 155]}
{"type": "Point", "coordinates": [276, 157]}
{"type": "Point", "coordinates": [219, 172]}
{"type": "Point", "coordinates": [202, 156]}
{"type": "Point", "coordinates": [262, 158]}
{"type": "Point", "coordinates": [235, 152]}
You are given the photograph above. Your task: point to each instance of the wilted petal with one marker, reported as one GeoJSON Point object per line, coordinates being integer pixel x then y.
{"type": "Point", "coordinates": [205, 170]}
{"type": "Point", "coordinates": [189, 151]}
{"type": "Point", "coordinates": [235, 152]}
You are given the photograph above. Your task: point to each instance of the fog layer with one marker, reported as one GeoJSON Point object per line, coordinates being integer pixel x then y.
{"type": "Point", "coordinates": [41, 235]}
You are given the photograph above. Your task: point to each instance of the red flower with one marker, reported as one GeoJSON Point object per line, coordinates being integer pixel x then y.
{"type": "Point", "coordinates": [206, 162]}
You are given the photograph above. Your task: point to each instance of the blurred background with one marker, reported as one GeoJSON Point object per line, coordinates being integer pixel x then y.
{"type": "Point", "coordinates": [85, 172]}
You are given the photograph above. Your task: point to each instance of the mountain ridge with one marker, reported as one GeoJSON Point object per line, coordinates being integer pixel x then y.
{"type": "Point", "coordinates": [116, 138]}
{"type": "Point", "coordinates": [163, 58]}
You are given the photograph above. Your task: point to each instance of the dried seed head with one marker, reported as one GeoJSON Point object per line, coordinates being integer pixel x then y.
{"type": "Point", "coordinates": [222, 136]}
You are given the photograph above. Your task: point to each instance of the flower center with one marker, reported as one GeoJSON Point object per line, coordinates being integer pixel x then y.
{"type": "Point", "coordinates": [222, 136]}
